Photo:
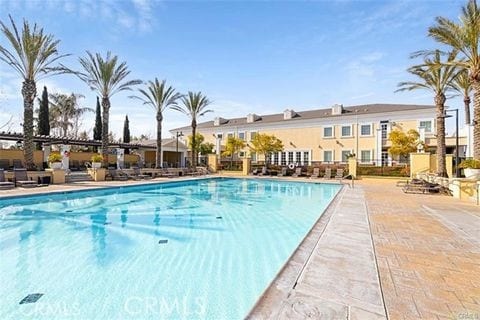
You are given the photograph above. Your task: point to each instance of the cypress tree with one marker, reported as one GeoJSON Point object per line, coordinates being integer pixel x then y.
{"type": "Point", "coordinates": [126, 132]}
{"type": "Point", "coordinates": [43, 115]}
{"type": "Point", "coordinates": [97, 130]}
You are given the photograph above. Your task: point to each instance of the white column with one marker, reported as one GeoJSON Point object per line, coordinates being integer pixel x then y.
{"type": "Point", "coordinates": [182, 160]}
{"type": "Point", "coordinates": [469, 151]}
{"type": "Point", "coordinates": [46, 152]}
{"type": "Point", "coordinates": [120, 158]}
{"type": "Point", "coordinates": [65, 152]}
{"type": "Point", "coordinates": [378, 147]}
{"type": "Point", "coordinates": [161, 158]}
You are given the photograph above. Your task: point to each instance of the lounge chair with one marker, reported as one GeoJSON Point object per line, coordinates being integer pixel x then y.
{"type": "Point", "coordinates": [138, 174]}
{"type": "Point", "coordinates": [4, 164]}
{"type": "Point", "coordinates": [264, 172]}
{"type": "Point", "coordinates": [328, 173]}
{"type": "Point", "coordinates": [297, 173]}
{"type": "Point", "coordinates": [21, 179]}
{"type": "Point", "coordinates": [339, 174]}
{"type": "Point", "coordinates": [5, 185]}
{"type": "Point", "coordinates": [255, 171]}
{"type": "Point", "coordinates": [315, 173]}
{"type": "Point", "coordinates": [117, 175]}
{"type": "Point", "coordinates": [424, 187]}
{"type": "Point", "coordinates": [283, 172]}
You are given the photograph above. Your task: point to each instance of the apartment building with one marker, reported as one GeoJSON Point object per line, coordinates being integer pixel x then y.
{"type": "Point", "coordinates": [325, 135]}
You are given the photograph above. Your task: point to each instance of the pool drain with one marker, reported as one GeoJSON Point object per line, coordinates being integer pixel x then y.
{"type": "Point", "coordinates": [162, 241]}
{"type": "Point", "coordinates": [219, 217]}
{"type": "Point", "coordinates": [31, 298]}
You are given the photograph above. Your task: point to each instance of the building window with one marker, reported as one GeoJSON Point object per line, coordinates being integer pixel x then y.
{"type": "Point", "coordinates": [219, 136]}
{"type": "Point", "coordinates": [230, 135]}
{"type": "Point", "coordinates": [366, 156]}
{"type": "Point", "coordinates": [284, 158]}
{"type": "Point", "coordinates": [298, 157]}
{"type": "Point", "coordinates": [427, 125]}
{"type": "Point", "coordinates": [345, 154]}
{"type": "Point", "coordinates": [253, 156]}
{"type": "Point", "coordinates": [241, 154]}
{"type": "Point", "coordinates": [275, 158]}
{"type": "Point", "coordinates": [327, 156]}
{"type": "Point", "coordinates": [346, 131]}
{"type": "Point", "coordinates": [290, 157]}
{"type": "Point", "coordinates": [366, 129]}
{"type": "Point", "coordinates": [384, 127]}
{"type": "Point", "coordinates": [241, 136]}
{"type": "Point", "coordinates": [306, 157]}
{"type": "Point", "coordinates": [252, 135]}
{"type": "Point", "coordinates": [327, 132]}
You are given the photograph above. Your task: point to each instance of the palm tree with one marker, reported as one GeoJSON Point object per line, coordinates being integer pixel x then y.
{"type": "Point", "coordinates": [463, 85]}
{"type": "Point", "coordinates": [194, 106]}
{"type": "Point", "coordinates": [436, 76]}
{"type": "Point", "coordinates": [465, 37]}
{"type": "Point", "coordinates": [65, 113]}
{"type": "Point", "coordinates": [33, 57]}
{"type": "Point", "coordinates": [107, 77]}
{"type": "Point", "coordinates": [160, 97]}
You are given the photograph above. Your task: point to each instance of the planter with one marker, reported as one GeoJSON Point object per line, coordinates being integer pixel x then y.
{"type": "Point", "coordinates": [472, 173]}
{"type": "Point", "coordinates": [96, 165]}
{"type": "Point", "coordinates": [55, 165]}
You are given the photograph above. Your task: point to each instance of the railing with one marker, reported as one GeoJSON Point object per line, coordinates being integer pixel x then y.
{"type": "Point", "coordinates": [383, 168]}
{"type": "Point", "coordinates": [231, 165]}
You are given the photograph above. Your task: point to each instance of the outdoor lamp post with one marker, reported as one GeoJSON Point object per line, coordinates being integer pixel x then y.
{"type": "Point", "coordinates": [178, 134]}
{"type": "Point", "coordinates": [457, 169]}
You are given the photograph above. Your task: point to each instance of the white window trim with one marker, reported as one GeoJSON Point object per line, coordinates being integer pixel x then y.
{"type": "Point", "coordinates": [360, 129]}
{"type": "Point", "coordinates": [333, 132]}
{"type": "Point", "coordinates": [432, 125]}
{"type": "Point", "coordinates": [333, 155]}
{"type": "Point", "coordinates": [250, 135]}
{"type": "Point", "coordinates": [244, 135]}
{"type": "Point", "coordinates": [219, 133]}
{"type": "Point", "coordinates": [351, 130]}
{"type": "Point", "coordinates": [361, 159]}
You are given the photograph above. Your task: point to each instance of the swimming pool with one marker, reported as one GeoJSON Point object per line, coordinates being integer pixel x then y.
{"type": "Point", "coordinates": [202, 249]}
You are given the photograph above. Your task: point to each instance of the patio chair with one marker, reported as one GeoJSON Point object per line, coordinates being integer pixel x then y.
{"type": "Point", "coordinates": [315, 173]}
{"type": "Point", "coordinates": [298, 172]}
{"type": "Point", "coordinates": [117, 175]}
{"type": "Point", "coordinates": [424, 187]}
{"type": "Point", "coordinates": [5, 185]}
{"type": "Point", "coordinates": [4, 164]}
{"type": "Point", "coordinates": [339, 174]}
{"type": "Point", "coordinates": [255, 172]}
{"type": "Point", "coordinates": [283, 172]}
{"type": "Point", "coordinates": [21, 179]}
{"type": "Point", "coordinates": [18, 164]}
{"type": "Point", "coordinates": [328, 173]}
{"type": "Point", "coordinates": [138, 174]}
{"type": "Point", "coordinates": [264, 171]}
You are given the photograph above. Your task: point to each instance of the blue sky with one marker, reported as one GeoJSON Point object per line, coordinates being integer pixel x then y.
{"type": "Point", "coordinates": [246, 56]}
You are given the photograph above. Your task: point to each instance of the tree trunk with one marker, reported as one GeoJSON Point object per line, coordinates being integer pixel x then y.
{"type": "Point", "coordinates": [29, 90]}
{"type": "Point", "coordinates": [476, 118]}
{"type": "Point", "coordinates": [441, 147]}
{"type": "Point", "coordinates": [105, 117]}
{"type": "Point", "coordinates": [194, 129]}
{"type": "Point", "coordinates": [466, 101]}
{"type": "Point", "coordinates": [158, 156]}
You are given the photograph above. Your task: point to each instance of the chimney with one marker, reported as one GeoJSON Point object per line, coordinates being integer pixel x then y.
{"type": "Point", "coordinates": [219, 121]}
{"type": "Point", "coordinates": [288, 114]}
{"type": "Point", "coordinates": [252, 117]}
{"type": "Point", "coordinates": [337, 109]}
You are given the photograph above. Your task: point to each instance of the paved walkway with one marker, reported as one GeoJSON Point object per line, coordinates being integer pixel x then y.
{"type": "Point", "coordinates": [426, 265]}
{"type": "Point", "coordinates": [428, 253]}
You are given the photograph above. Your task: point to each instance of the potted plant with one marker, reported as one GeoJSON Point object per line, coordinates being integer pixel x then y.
{"type": "Point", "coordinates": [97, 161]}
{"type": "Point", "coordinates": [471, 168]}
{"type": "Point", "coordinates": [55, 160]}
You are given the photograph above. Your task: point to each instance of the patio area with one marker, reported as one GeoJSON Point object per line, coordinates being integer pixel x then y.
{"type": "Point", "coordinates": [379, 253]}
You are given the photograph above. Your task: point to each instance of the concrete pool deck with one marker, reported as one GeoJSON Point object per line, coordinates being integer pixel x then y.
{"type": "Point", "coordinates": [376, 253]}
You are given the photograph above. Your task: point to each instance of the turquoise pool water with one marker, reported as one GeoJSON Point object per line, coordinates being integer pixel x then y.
{"type": "Point", "coordinates": [203, 249]}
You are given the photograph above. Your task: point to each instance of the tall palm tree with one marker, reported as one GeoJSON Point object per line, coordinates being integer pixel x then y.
{"type": "Point", "coordinates": [435, 76]}
{"type": "Point", "coordinates": [463, 85]}
{"type": "Point", "coordinates": [107, 77]}
{"type": "Point", "coordinates": [66, 112]}
{"type": "Point", "coordinates": [34, 56]}
{"type": "Point", "coordinates": [160, 97]}
{"type": "Point", "coordinates": [465, 37]}
{"type": "Point", "coordinates": [193, 105]}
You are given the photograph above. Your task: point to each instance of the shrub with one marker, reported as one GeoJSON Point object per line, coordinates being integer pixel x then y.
{"type": "Point", "coordinates": [470, 164]}
{"type": "Point", "coordinates": [54, 157]}
{"type": "Point", "coordinates": [97, 158]}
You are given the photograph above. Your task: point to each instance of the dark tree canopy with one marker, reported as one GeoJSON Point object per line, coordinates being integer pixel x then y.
{"type": "Point", "coordinates": [97, 130]}
{"type": "Point", "coordinates": [126, 130]}
{"type": "Point", "coordinates": [43, 115]}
